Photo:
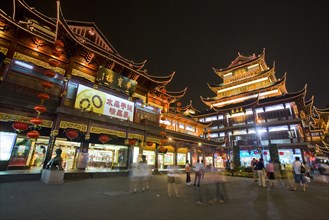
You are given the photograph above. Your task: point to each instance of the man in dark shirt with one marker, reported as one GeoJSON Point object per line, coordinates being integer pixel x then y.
{"type": "Point", "coordinates": [261, 172]}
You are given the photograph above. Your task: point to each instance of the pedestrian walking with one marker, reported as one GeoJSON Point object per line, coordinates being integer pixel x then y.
{"type": "Point", "coordinates": [261, 172]}
{"type": "Point", "coordinates": [277, 172]}
{"type": "Point", "coordinates": [173, 181]}
{"type": "Point", "coordinates": [188, 173]}
{"type": "Point", "coordinates": [198, 168]}
{"type": "Point", "coordinates": [220, 194]}
{"type": "Point", "coordinates": [298, 174]}
{"type": "Point", "coordinates": [270, 174]}
{"type": "Point", "coordinates": [253, 167]}
{"type": "Point", "coordinates": [232, 167]}
{"type": "Point", "coordinates": [145, 173]}
{"type": "Point", "coordinates": [134, 175]}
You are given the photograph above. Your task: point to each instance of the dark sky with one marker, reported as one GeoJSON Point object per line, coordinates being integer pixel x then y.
{"type": "Point", "coordinates": [192, 37]}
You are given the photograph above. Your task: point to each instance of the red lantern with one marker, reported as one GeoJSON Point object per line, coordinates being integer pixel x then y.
{"type": "Point", "coordinates": [104, 138]}
{"type": "Point", "coordinates": [72, 134]}
{"type": "Point", "coordinates": [163, 90]}
{"type": "Point", "coordinates": [33, 134]}
{"type": "Point", "coordinates": [132, 141]}
{"type": "Point", "coordinates": [163, 111]}
{"type": "Point", "coordinates": [163, 141]}
{"type": "Point", "coordinates": [163, 118]}
{"type": "Point", "coordinates": [59, 44]}
{"type": "Point", "coordinates": [20, 126]}
{"type": "Point", "coordinates": [265, 153]}
{"type": "Point", "coordinates": [149, 143]}
{"type": "Point", "coordinates": [56, 53]}
{"type": "Point", "coordinates": [43, 96]}
{"type": "Point", "coordinates": [163, 125]}
{"type": "Point", "coordinates": [179, 104]}
{"type": "Point", "coordinates": [162, 133]}
{"type": "Point", "coordinates": [50, 73]}
{"type": "Point", "coordinates": [281, 153]}
{"type": "Point", "coordinates": [40, 109]}
{"type": "Point", "coordinates": [47, 85]}
{"type": "Point", "coordinates": [163, 150]}
{"type": "Point", "coordinates": [36, 121]}
{"type": "Point", "coordinates": [53, 62]}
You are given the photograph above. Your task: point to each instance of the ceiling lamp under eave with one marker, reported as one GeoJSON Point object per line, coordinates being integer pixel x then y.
{"type": "Point", "coordinates": [59, 44]}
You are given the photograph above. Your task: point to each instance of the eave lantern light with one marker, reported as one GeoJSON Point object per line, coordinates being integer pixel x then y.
{"type": "Point", "coordinates": [149, 143]}
{"type": "Point", "coordinates": [72, 134]}
{"type": "Point", "coordinates": [20, 126]}
{"type": "Point", "coordinates": [104, 138]}
{"type": "Point", "coordinates": [33, 134]}
{"type": "Point", "coordinates": [132, 141]}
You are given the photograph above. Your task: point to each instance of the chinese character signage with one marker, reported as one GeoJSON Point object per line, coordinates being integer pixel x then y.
{"type": "Point", "coordinates": [89, 99]}
{"type": "Point", "coordinates": [114, 80]}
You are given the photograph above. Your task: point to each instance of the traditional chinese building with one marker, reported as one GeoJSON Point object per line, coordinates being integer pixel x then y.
{"type": "Point", "coordinates": [63, 85]}
{"type": "Point", "coordinates": [254, 114]}
{"type": "Point", "coordinates": [318, 122]}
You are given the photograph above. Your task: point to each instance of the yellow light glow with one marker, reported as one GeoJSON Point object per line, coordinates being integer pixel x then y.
{"type": "Point", "coordinates": [245, 98]}
{"type": "Point", "coordinates": [243, 84]}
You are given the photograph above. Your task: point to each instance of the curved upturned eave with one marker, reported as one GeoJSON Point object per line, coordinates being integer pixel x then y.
{"type": "Point", "coordinates": [93, 25]}
{"type": "Point", "coordinates": [284, 97]}
{"type": "Point", "coordinates": [221, 72]}
{"type": "Point", "coordinates": [13, 22]}
{"type": "Point", "coordinates": [270, 72]}
{"type": "Point", "coordinates": [177, 94]}
{"type": "Point", "coordinates": [246, 103]}
{"type": "Point", "coordinates": [278, 83]}
{"type": "Point", "coordinates": [109, 56]}
{"type": "Point", "coordinates": [36, 12]}
{"type": "Point", "coordinates": [321, 111]}
{"type": "Point", "coordinates": [164, 80]}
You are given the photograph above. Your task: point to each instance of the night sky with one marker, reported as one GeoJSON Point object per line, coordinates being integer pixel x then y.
{"type": "Point", "coordinates": [192, 37]}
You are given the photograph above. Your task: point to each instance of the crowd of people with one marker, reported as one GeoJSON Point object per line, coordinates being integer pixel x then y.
{"type": "Point", "coordinates": [270, 175]}
{"type": "Point", "coordinates": [267, 176]}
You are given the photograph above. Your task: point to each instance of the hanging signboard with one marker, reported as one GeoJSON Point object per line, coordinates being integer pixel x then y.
{"type": "Point", "coordinates": [92, 100]}
{"type": "Point", "coordinates": [115, 81]}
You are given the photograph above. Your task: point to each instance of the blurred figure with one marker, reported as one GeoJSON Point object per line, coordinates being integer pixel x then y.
{"type": "Point", "coordinates": [277, 171]}
{"type": "Point", "coordinates": [188, 174]}
{"type": "Point", "coordinates": [134, 177]}
{"type": "Point", "coordinates": [173, 181]}
{"type": "Point", "coordinates": [270, 174]}
{"type": "Point", "coordinates": [220, 194]}
{"type": "Point", "coordinates": [232, 167]}
{"type": "Point", "coordinates": [308, 171]}
{"type": "Point", "coordinates": [253, 167]}
{"type": "Point", "coordinates": [199, 167]}
{"type": "Point", "coordinates": [298, 174]}
{"type": "Point", "coordinates": [145, 173]}
{"type": "Point", "coordinates": [261, 173]}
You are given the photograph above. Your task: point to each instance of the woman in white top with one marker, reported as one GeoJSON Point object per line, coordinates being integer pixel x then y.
{"type": "Point", "coordinates": [296, 165]}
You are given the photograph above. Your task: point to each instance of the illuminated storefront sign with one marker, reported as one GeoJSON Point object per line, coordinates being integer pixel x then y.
{"type": "Point", "coordinates": [115, 81]}
{"type": "Point", "coordinates": [99, 102]}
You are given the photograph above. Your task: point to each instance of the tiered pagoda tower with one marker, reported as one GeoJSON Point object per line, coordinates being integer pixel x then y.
{"type": "Point", "coordinates": [253, 112]}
